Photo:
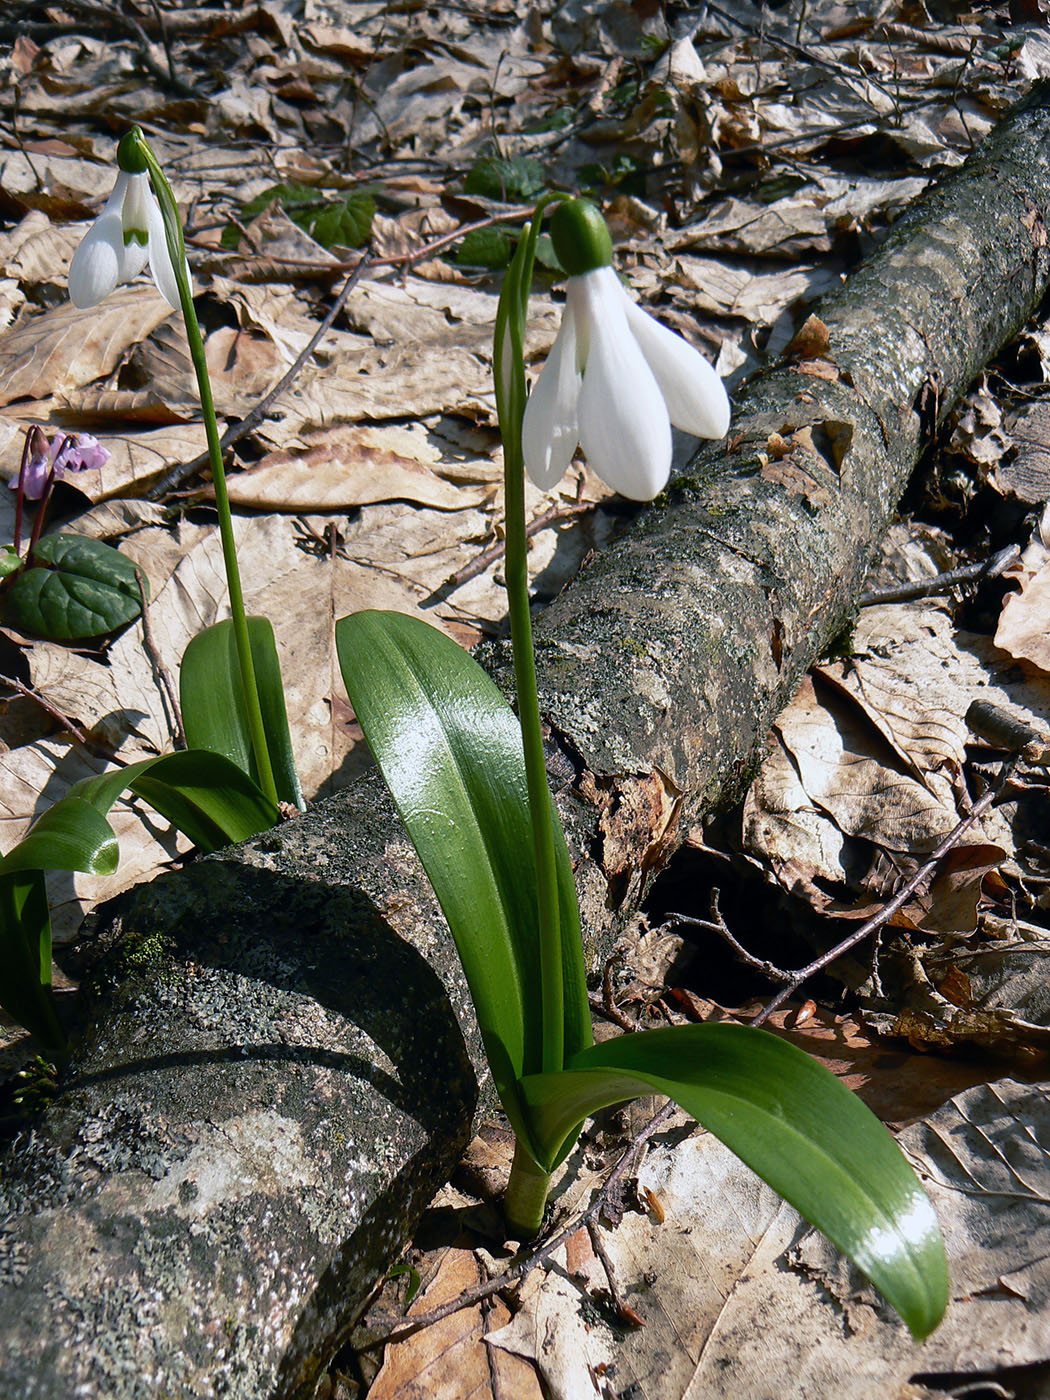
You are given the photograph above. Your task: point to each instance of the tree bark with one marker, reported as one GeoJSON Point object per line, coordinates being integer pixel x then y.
{"type": "Point", "coordinates": [275, 1069]}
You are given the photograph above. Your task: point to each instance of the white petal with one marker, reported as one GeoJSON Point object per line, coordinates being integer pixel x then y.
{"type": "Point", "coordinates": [695, 395]}
{"type": "Point", "coordinates": [160, 263]}
{"type": "Point", "coordinates": [135, 209]}
{"type": "Point", "coordinates": [97, 262]}
{"type": "Point", "coordinates": [549, 431]}
{"type": "Point", "coordinates": [624, 428]}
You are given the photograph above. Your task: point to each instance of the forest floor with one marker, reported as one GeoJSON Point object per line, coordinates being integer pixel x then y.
{"type": "Point", "coordinates": [747, 157]}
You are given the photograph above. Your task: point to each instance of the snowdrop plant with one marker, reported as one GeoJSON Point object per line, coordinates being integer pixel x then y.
{"type": "Point", "coordinates": [139, 225]}
{"type": "Point", "coordinates": [469, 779]}
{"type": "Point", "coordinates": [227, 785]}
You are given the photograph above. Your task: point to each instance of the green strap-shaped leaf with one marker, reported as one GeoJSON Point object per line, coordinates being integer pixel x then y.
{"type": "Point", "coordinates": [792, 1122]}
{"type": "Point", "coordinates": [205, 795]}
{"type": "Point", "coordinates": [213, 702]}
{"type": "Point", "coordinates": [76, 587]}
{"type": "Point", "coordinates": [71, 835]}
{"type": "Point", "coordinates": [449, 747]}
{"type": "Point", "coordinates": [25, 957]}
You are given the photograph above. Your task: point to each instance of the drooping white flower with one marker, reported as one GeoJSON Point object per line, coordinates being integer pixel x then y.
{"type": "Point", "coordinates": [615, 379]}
{"type": "Point", "coordinates": [126, 235]}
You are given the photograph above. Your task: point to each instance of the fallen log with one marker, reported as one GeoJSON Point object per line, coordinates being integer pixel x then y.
{"type": "Point", "coordinates": [278, 1062]}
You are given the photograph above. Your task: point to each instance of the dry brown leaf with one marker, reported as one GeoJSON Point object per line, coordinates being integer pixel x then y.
{"type": "Point", "coordinates": [1026, 472]}
{"type": "Point", "coordinates": [846, 777]}
{"type": "Point", "coordinates": [35, 250]}
{"type": "Point", "coordinates": [347, 466]}
{"type": "Point", "coordinates": [741, 1300]}
{"type": "Point", "coordinates": [64, 348]}
{"type": "Point", "coordinates": [1024, 624]}
{"type": "Point", "coordinates": [451, 1360]}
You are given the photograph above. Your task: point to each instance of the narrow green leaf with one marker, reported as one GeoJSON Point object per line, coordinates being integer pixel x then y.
{"type": "Point", "coordinates": [204, 794]}
{"type": "Point", "coordinates": [77, 587]}
{"type": "Point", "coordinates": [207, 797]}
{"type": "Point", "coordinates": [71, 835]}
{"type": "Point", "coordinates": [792, 1122]}
{"type": "Point", "coordinates": [449, 747]}
{"type": "Point", "coordinates": [213, 702]}
{"type": "Point", "coordinates": [25, 957]}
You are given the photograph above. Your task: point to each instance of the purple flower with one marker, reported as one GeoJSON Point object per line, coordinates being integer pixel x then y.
{"type": "Point", "coordinates": [79, 452]}
{"type": "Point", "coordinates": [36, 466]}
{"type": "Point", "coordinates": [64, 455]}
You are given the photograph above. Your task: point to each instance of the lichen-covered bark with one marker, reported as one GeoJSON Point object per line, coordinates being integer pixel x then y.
{"type": "Point", "coordinates": [276, 1069]}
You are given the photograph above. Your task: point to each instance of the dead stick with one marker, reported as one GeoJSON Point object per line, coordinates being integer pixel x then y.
{"type": "Point", "coordinates": [179, 474]}
{"type": "Point", "coordinates": [941, 583]}
{"type": "Point", "coordinates": [522, 1264]}
{"type": "Point", "coordinates": [899, 899]}
{"type": "Point", "coordinates": [46, 705]}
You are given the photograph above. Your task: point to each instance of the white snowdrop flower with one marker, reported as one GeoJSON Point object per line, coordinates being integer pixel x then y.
{"type": "Point", "coordinates": [126, 235]}
{"type": "Point", "coordinates": [615, 379]}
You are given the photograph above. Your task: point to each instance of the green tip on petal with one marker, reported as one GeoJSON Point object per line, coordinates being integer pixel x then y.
{"type": "Point", "coordinates": [129, 153]}
{"type": "Point", "coordinates": [581, 237]}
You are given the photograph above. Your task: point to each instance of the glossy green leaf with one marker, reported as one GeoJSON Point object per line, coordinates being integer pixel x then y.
{"type": "Point", "coordinates": [76, 587]}
{"type": "Point", "coordinates": [449, 747]}
{"type": "Point", "coordinates": [792, 1122]}
{"type": "Point", "coordinates": [71, 835]}
{"type": "Point", "coordinates": [213, 709]}
{"type": "Point", "coordinates": [205, 795]}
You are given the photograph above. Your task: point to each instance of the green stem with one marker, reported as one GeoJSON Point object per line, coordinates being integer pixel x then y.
{"type": "Point", "coordinates": [517, 576]}
{"type": "Point", "coordinates": [177, 253]}
{"type": "Point", "coordinates": [526, 1196]}
{"type": "Point", "coordinates": [510, 394]}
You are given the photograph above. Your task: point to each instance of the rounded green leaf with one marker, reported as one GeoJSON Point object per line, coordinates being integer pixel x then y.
{"type": "Point", "coordinates": [792, 1122]}
{"type": "Point", "coordinates": [75, 588]}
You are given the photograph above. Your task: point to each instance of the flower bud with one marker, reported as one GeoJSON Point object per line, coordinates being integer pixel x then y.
{"type": "Point", "coordinates": [581, 237]}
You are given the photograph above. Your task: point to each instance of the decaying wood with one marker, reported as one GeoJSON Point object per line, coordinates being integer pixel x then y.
{"type": "Point", "coordinates": [257, 1110]}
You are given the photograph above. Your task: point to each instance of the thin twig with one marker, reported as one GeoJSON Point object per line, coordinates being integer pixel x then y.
{"type": "Point", "coordinates": [163, 27]}
{"type": "Point", "coordinates": [624, 1311]}
{"type": "Point", "coordinates": [495, 552]}
{"type": "Point", "coordinates": [405, 261]}
{"type": "Point", "coordinates": [941, 583]}
{"type": "Point", "coordinates": [161, 674]}
{"type": "Point", "coordinates": [927, 869]}
{"type": "Point", "coordinates": [717, 924]}
{"type": "Point", "coordinates": [18, 135]}
{"type": "Point", "coordinates": [606, 1005]}
{"type": "Point", "coordinates": [179, 474]}
{"type": "Point", "coordinates": [46, 705]}
{"type": "Point", "coordinates": [523, 1263]}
